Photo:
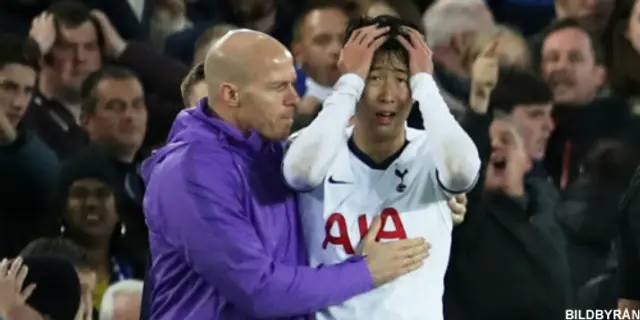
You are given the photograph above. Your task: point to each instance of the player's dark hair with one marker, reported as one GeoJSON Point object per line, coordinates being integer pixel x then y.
{"type": "Point", "coordinates": [88, 92]}
{"type": "Point", "coordinates": [18, 50]}
{"type": "Point", "coordinates": [396, 27]}
{"type": "Point", "coordinates": [596, 45]}
{"type": "Point", "coordinates": [195, 75]}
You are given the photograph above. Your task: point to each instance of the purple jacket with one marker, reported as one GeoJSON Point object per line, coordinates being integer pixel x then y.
{"type": "Point", "coordinates": [224, 231]}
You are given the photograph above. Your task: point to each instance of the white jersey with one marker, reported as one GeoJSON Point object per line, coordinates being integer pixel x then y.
{"type": "Point", "coordinates": [336, 215]}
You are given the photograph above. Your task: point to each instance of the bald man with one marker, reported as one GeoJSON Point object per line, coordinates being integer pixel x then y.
{"type": "Point", "coordinates": [223, 227]}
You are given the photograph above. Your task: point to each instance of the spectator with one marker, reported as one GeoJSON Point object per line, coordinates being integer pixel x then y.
{"type": "Point", "coordinates": [114, 115]}
{"type": "Point", "coordinates": [519, 262]}
{"type": "Point", "coordinates": [169, 17]}
{"type": "Point", "coordinates": [13, 292]}
{"type": "Point", "coordinates": [205, 40]}
{"type": "Point", "coordinates": [450, 27]}
{"type": "Point", "coordinates": [122, 301]}
{"type": "Point", "coordinates": [193, 87]}
{"type": "Point", "coordinates": [592, 16]}
{"type": "Point", "coordinates": [61, 248]}
{"type": "Point", "coordinates": [317, 41]}
{"type": "Point", "coordinates": [57, 293]}
{"type": "Point", "coordinates": [69, 40]}
{"type": "Point", "coordinates": [88, 202]}
{"type": "Point", "coordinates": [132, 19]}
{"type": "Point", "coordinates": [27, 165]}
{"type": "Point", "coordinates": [572, 66]}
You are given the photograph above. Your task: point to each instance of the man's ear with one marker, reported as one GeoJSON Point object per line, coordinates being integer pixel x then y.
{"type": "Point", "coordinates": [600, 76]}
{"type": "Point", "coordinates": [229, 93]}
{"type": "Point", "coordinates": [297, 52]}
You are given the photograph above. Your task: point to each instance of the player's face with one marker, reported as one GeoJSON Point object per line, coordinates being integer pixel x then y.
{"type": "Point", "coordinates": [386, 100]}
{"type": "Point", "coordinates": [269, 102]}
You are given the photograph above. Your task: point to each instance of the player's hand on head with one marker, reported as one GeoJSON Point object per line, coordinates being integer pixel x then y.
{"type": "Point", "coordinates": [458, 206]}
{"type": "Point", "coordinates": [358, 52]}
{"type": "Point", "coordinates": [387, 261]}
{"type": "Point", "coordinates": [420, 55]}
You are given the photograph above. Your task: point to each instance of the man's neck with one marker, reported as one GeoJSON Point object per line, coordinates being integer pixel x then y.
{"type": "Point", "coordinates": [450, 62]}
{"type": "Point", "coordinates": [265, 24]}
{"type": "Point", "coordinates": [378, 151]}
{"type": "Point", "coordinates": [48, 87]}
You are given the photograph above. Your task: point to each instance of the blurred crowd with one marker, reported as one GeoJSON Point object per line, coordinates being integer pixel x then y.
{"type": "Point", "coordinates": [89, 88]}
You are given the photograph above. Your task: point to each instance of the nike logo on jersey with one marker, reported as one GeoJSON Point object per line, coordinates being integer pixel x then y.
{"type": "Point", "coordinates": [333, 181]}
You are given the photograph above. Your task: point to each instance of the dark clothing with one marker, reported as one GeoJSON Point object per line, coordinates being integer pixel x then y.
{"type": "Point", "coordinates": [586, 216]}
{"type": "Point", "coordinates": [577, 130]}
{"type": "Point", "coordinates": [629, 244]}
{"type": "Point", "coordinates": [16, 17]}
{"type": "Point", "coordinates": [55, 125]}
{"type": "Point", "coordinates": [507, 265]}
{"type": "Point", "coordinates": [28, 169]}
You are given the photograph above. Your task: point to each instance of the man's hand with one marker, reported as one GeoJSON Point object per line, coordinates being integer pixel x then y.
{"type": "Point", "coordinates": [43, 32]}
{"type": "Point", "coordinates": [388, 261]}
{"type": "Point", "coordinates": [114, 45]}
{"type": "Point", "coordinates": [518, 163]}
{"type": "Point", "coordinates": [419, 53]}
{"type": "Point", "coordinates": [458, 206]}
{"type": "Point", "coordinates": [8, 133]}
{"type": "Point", "coordinates": [357, 54]}
{"type": "Point", "coordinates": [12, 275]}
{"type": "Point", "coordinates": [484, 77]}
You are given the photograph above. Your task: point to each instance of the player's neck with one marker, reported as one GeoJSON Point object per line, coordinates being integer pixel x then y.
{"type": "Point", "coordinates": [377, 150]}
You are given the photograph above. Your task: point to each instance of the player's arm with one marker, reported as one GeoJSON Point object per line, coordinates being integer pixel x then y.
{"type": "Point", "coordinates": [314, 149]}
{"type": "Point", "coordinates": [454, 153]}
{"type": "Point", "coordinates": [219, 241]}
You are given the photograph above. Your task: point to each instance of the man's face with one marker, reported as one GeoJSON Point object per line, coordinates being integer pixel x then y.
{"type": "Point", "coordinates": [633, 28]}
{"type": "Point", "coordinates": [76, 54]}
{"type": "Point", "coordinates": [252, 10]}
{"type": "Point", "coordinates": [268, 103]}
{"type": "Point", "coordinates": [569, 66]}
{"type": "Point", "coordinates": [120, 117]}
{"type": "Point", "coordinates": [386, 100]}
{"type": "Point", "coordinates": [537, 123]}
{"type": "Point", "coordinates": [17, 83]}
{"type": "Point", "coordinates": [592, 14]}
{"type": "Point", "coordinates": [91, 208]}
{"type": "Point", "coordinates": [319, 49]}
{"type": "Point", "coordinates": [507, 149]}
{"type": "Point", "coordinates": [127, 306]}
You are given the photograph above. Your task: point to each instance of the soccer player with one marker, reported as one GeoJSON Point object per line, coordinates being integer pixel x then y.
{"type": "Point", "coordinates": [380, 167]}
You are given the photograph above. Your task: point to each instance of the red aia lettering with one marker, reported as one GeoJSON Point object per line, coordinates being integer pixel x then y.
{"type": "Point", "coordinates": [342, 239]}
